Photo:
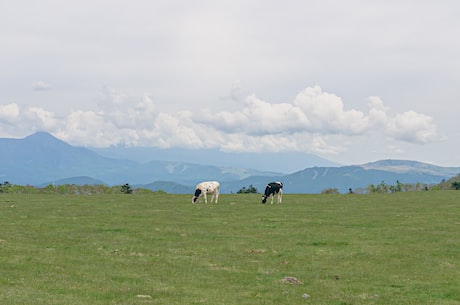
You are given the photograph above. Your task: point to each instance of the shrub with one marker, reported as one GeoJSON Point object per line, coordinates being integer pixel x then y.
{"type": "Point", "coordinates": [330, 191]}
{"type": "Point", "coordinates": [250, 190]}
{"type": "Point", "coordinates": [126, 189]}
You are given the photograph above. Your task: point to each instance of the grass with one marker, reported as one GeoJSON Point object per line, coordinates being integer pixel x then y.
{"type": "Point", "coordinates": [157, 248]}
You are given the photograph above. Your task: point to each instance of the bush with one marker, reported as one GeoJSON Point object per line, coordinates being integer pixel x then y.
{"type": "Point", "coordinates": [126, 189]}
{"type": "Point", "coordinates": [330, 191]}
{"type": "Point", "coordinates": [5, 187]}
{"type": "Point", "coordinates": [250, 190]}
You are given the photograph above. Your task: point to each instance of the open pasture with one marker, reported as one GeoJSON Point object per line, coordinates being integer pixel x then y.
{"type": "Point", "coordinates": [401, 248]}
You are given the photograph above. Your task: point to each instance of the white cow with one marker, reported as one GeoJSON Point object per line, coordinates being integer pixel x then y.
{"type": "Point", "coordinates": [208, 187]}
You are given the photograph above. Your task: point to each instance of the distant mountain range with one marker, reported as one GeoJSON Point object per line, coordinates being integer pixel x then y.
{"type": "Point", "coordinates": [41, 159]}
{"type": "Point", "coordinates": [286, 162]}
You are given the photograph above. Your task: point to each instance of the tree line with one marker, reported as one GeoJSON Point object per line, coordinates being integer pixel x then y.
{"type": "Point", "coordinates": [87, 189]}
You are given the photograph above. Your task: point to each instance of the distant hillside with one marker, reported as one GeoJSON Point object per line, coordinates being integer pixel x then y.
{"type": "Point", "coordinates": [41, 158]}
{"type": "Point", "coordinates": [169, 187]}
{"type": "Point", "coordinates": [82, 180]}
{"type": "Point", "coordinates": [407, 166]}
{"type": "Point", "coordinates": [283, 162]}
{"type": "Point", "coordinates": [354, 177]}
{"type": "Point", "coordinates": [316, 179]}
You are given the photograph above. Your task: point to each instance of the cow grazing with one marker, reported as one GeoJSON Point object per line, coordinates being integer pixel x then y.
{"type": "Point", "coordinates": [208, 187]}
{"type": "Point", "coordinates": [272, 189]}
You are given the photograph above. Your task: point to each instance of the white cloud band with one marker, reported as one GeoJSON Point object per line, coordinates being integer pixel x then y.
{"type": "Point", "coordinates": [314, 121]}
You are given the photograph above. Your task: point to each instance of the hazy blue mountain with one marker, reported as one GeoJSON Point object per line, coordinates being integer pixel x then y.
{"type": "Point", "coordinates": [284, 162]}
{"type": "Point", "coordinates": [316, 179]}
{"type": "Point", "coordinates": [81, 180]}
{"type": "Point", "coordinates": [41, 158]}
{"type": "Point", "coordinates": [407, 166]}
{"type": "Point", "coordinates": [169, 187]}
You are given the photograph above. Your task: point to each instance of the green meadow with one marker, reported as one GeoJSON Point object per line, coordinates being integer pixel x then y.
{"type": "Point", "coordinates": [156, 248]}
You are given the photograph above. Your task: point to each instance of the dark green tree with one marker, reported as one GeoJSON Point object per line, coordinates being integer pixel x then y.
{"type": "Point", "coordinates": [126, 189]}
{"type": "Point", "coordinates": [399, 186]}
{"type": "Point", "coordinates": [5, 186]}
{"type": "Point", "coordinates": [250, 190]}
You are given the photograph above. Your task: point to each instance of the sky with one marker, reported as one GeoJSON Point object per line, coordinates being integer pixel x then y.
{"type": "Point", "coordinates": [352, 81]}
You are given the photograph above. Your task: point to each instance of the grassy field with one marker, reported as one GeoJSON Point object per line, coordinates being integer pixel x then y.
{"type": "Point", "coordinates": [401, 248]}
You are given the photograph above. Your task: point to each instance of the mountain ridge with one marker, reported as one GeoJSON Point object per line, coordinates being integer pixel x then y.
{"type": "Point", "coordinates": [41, 158]}
{"type": "Point", "coordinates": [289, 162]}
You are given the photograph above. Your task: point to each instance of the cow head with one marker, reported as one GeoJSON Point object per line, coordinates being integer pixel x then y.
{"type": "Point", "coordinates": [197, 194]}
{"type": "Point", "coordinates": [264, 199]}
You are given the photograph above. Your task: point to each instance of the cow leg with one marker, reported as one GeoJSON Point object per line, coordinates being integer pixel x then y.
{"type": "Point", "coordinates": [205, 197]}
{"type": "Point", "coordinates": [217, 196]}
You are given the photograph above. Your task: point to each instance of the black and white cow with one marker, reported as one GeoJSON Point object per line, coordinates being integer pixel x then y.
{"type": "Point", "coordinates": [272, 189]}
{"type": "Point", "coordinates": [207, 187]}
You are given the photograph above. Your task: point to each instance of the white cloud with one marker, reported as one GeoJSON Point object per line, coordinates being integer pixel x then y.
{"type": "Point", "coordinates": [16, 121]}
{"type": "Point", "coordinates": [320, 146]}
{"type": "Point", "coordinates": [315, 121]}
{"type": "Point", "coordinates": [257, 117]}
{"type": "Point", "coordinates": [314, 112]}
{"type": "Point", "coordinates": [175, 130]}
{"type": "Point", "coordinates": [41, 119]}
{"type": "Point", "coordinates": [377, 113]}
{"type": "Point", "coordinates": [413, 127]}
{"type": "Point", "coordinates": [326, 112]}
{"type": "Point", "coordinates": [89, 128]}
{"type": "Point", "coordinates": [9, 112]}
{"type": "Point", "coordinates": [40, 86]}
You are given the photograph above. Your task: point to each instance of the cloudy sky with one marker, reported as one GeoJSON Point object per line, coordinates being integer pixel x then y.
{"type": "Point", "coordinates": [352, 81]}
